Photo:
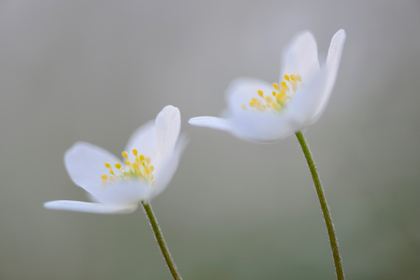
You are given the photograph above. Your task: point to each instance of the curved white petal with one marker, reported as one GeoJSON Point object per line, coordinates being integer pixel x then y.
{"type": "Point", "coordinates": [334, 57]}
{"type": "Point", "coordinates": [250, 126]}
{"type": "Point", "coordinates": [242, 90]}
{"type": "Point", "coordinates": [168, 126]}
{"type": "Point", "coordinates": [305, 104]}
{"type": "Point", "coordinates": [333, 62]}
{"type": "Point", "coordinates": [144, 141]}
{"type": "Point", "coordinates": [121, 194]}
{"type": "Point", "coordinates": [164, 174]}
{"type": "Point", "coordinates": [261, 127]}
{"type": "Point", "coordinates": [212, 122]}
{"type": "Point", "coordinates": [85, 164]}
{"type": "Point", "coordinates": [89, 207]}
{"type": "Point", "coordinates": [309, 103]}
{"type": "Point", "coordinates": [300, 56]}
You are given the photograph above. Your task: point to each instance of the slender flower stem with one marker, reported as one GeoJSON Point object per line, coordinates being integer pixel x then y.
{"type": "Point", "coordinates": [324, 205]}
{"type": "Point", "coordinates": [161, 242]}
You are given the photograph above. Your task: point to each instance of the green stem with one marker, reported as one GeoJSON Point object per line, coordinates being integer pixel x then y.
{"type": "Point", "coordinates": [324, 206]}
{"type": "Point", "coordinates": [161, 242]}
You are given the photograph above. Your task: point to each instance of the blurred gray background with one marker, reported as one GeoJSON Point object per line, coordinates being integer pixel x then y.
{"type": "Point", "coordinates": [96, 70]}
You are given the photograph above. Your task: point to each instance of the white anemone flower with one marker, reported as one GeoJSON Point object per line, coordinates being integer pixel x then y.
{"type": "Point", "coordinates": [149, 162]}
{"type": "Point", "coordinates": [262, 112]}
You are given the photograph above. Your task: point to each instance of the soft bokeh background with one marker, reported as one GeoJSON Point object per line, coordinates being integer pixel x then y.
{"type": "Point", "coordinates": [96, 70]}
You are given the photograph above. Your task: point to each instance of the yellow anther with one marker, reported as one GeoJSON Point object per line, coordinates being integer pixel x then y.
{"type": "Point", "coordinates": [284, 86]}
{"type": "Point", "coordinates": [139, 169]}
{"type": "Point", "coordinates": [280, 94]}
{"type": "Point", "coordinates": [253, 102]}
{"type": "Point", "coordinates": [281, 98]}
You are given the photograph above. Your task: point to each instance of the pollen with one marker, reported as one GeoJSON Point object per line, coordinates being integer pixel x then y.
{"type": "Point", "coordinates": [281, 94]}
{"type": "Point", "coordinates": [253, 102]}
{"type": "Point", "coordinates": [138, 169]}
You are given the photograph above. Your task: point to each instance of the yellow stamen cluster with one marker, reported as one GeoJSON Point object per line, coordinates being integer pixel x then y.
{"type": "Point", "coordinates": [280, 95]}
{"type": "Point", "coordinates": [139, 169]}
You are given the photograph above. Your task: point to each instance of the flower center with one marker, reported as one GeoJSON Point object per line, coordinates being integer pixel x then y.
{"type": "Point", "coordinates": [140, 169]}
{"type": "Point", "coordinates": [280, 95]}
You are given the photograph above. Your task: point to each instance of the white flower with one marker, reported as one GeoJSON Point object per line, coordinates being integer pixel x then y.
{"type": "Point", "coordinates": [150, 160]}
{"type": "Point", "coordinates": [260, 112]}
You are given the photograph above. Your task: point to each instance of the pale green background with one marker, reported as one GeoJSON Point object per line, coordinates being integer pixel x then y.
{"type": "Point", "coordinates": [96, 70]}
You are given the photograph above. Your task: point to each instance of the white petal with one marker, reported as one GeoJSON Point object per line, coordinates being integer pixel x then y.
{"type": "Point", "coordinates": [305, 104]}
{"type": "Point", "coordinates": [144, 141]}
{"type": "Point", "coordinates": [333, 61]}
{"type": "Point", "coordinates": [123, 193]}
{"type": "Point", "coordinates": [250, 126]}
{"type": "Point", "coordinates": [309, 103]}
{"type": "Point", "coordinates": [242, 90]}
{"type": "Point", "coordinates": [89, 207]}
{"type": "Point", "coordinates": [300, 56]}
{"type": "Point", "coordinates": [261, 127]}
{"type": "Point", "coordinates": [168, 126]}
{"type": "Point", "coordinates": [212, 122]}
{"type": "Point", "coordinates": [85, 164]}
{"type": "Point", "coordinates": [164, 174]}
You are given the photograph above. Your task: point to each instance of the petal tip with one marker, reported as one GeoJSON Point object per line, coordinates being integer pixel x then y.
{"type": "Point", "coordinates": [211, 122]}
{"type": "Point", "coordinates": [172, 111]}
{"type": "Point", "coordinates": [339, 36]}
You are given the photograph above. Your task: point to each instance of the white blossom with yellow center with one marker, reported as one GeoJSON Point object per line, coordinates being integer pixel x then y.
{"type": "Point", "coordinates": [149, 162]}
{"type": "Point", "coordinates": [262, 112]}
